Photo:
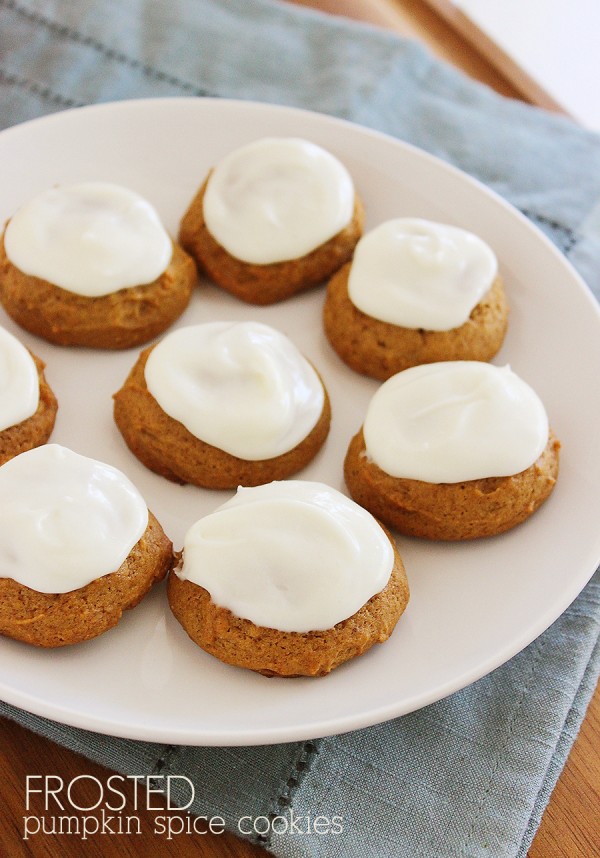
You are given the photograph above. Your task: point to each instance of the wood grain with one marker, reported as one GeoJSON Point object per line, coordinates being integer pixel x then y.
{"type": "Point", "coordinates": [569, 827]}
{"type": "Point", "coordinates": [26, 754]}
{"type": "Point", "coordinates": [414, 18]}
{"type": "Point", "coordinates": [493, 55]}
{"type": "Point", "coordinates": [568, 830]}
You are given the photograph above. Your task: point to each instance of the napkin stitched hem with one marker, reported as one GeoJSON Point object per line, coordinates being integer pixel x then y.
{"type": "Point", "coordinates": [107, 53]}
{"type": "Point", "coordinates": [564, 237]}
{"type": "Point", "coordinates": [283, 800]}
{"type": "Point", "coordinates": [42, 92]}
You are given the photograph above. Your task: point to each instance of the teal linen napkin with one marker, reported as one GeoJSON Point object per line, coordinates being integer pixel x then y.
{"type": "Point", "coordinates": [471, 774]}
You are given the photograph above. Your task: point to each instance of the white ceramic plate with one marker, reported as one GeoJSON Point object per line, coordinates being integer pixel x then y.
{"type": "Point", "coordinates": [473, 606]}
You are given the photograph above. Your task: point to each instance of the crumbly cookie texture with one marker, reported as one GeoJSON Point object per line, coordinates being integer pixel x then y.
{"type": "Point", "coordinates": [450, 511]}
{"type": "Point", "coordinates": [165, 446]}
{"type": "Point", "coordinates": [36, 429]}
{"type": "Point", "coordinates": [265, 284]}
{"type": "Point", "coordinates": [271, 652]}
{"type": "Point", "coordinates": [60, 619]}
{"type": "Point", "coordinates": [381, 349]}
{"type": "Point", "coordinates": [120, 320]}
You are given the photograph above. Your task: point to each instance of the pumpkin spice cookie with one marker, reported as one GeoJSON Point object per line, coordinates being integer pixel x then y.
{"type": "Point", "coordinates": [223, 404]}
{"type": "Point", "coordinates": [273, 218]}
{"type": "Point", "coordinates": [91, 265]}
{"type": "Point", "coordinates": [415, 292]}
{"type": "Point", "coordinates": [27, 404]}
{"type": "Point", "coordinates": [453, 451]}
{"type": "Point", "coordinates": [288, 579]}
{"type": "Point", "coordinates": [78, 546]}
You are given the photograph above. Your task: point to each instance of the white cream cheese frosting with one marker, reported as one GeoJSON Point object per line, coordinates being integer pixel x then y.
{"type": "Point", "coordinates": [277, 199]}
{"type": "Point", "coordinates": [91, 238]}
{"type": "Point", "coordinates": [65, 519]}
{"type": "Point", "coordinates": [240, 386]}
{"type": "Point", "coordinates": [19, 382]}
{"type": "Point", "coordinates": [290, 555]}
{"type": "Point", "coordinates": [454, 421]}
{"type": "Point", "coordinates": [416, 273]}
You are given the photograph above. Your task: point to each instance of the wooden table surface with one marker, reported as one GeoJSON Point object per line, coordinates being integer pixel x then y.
{"type": "Point", "coordinates": [569, 827]}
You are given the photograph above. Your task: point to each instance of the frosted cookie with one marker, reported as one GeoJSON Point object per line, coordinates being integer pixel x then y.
{"type": "Point", "coordinates": [289, 579]}
{"type": "Point", "coordinates": [453, 450]}
{"type": "Point", "coordinates": [78, 546]}
{"type": "Point", "coordinates": [416, 292]}
{"type": "Point", "coordinates": [92, 265]}
{"type": "Point", "coordinates": [27, 404]}
{"type": "Point", "coordinates": [274, 217]}
{"type": "Point", "coordinates": [223, 404]}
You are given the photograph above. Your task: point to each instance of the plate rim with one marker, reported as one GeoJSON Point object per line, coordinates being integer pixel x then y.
{"type": "Point", "coordinates": [326, 727]}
